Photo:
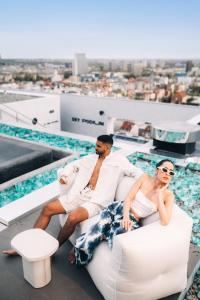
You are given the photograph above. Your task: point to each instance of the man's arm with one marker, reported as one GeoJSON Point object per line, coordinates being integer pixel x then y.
{"type": "Point", "coordinates": [68, 173]}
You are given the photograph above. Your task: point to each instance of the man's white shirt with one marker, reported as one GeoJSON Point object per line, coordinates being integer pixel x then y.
{"type": "Point", "coordinates": [113, 168]}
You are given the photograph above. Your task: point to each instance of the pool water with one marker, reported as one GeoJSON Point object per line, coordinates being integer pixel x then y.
{"type": "Point", "coordinates": [83, 147]}
{"type": "Point", "coordinates": [185, 186]}
{"type": "Point", "coordinates": [194, 291]}
{"type": "Point", "coordinates": [27, 186]}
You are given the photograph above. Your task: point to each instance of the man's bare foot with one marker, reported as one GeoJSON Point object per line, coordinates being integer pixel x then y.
{"type": "Point", "coordinates": [71, 256]}
{"type": "Point", "coordinates": [10, 252]}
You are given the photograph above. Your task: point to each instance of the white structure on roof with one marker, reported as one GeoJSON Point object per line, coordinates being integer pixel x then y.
{"type": "Point", "coordinates": [195, 120]}
{"type": "Point", "coordinates": [39, 109]}
{"type": "Point", "coordinates": [94, 116]}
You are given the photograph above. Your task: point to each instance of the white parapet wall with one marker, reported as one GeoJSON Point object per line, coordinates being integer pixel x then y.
{"type": "Point", "coordinates": [44, 108]}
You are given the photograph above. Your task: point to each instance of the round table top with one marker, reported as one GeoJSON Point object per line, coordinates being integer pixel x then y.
{"type": "Point", "coordinates": [34, 244]}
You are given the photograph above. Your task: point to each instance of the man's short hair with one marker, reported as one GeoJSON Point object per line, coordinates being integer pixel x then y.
{"type": "Point", "coordinates": [105, 138]}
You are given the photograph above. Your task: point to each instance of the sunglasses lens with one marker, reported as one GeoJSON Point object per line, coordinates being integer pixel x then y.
{"type": "Point", "coordinates": [164, 170]}
{"type": "Point", "coordinates": [171, 173]}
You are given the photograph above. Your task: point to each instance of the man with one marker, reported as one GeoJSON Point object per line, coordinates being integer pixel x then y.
{"type": "Point", "coordinates": [92, 183]}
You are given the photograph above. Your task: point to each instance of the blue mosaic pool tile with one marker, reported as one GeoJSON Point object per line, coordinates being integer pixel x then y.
{"type": "Point", "coordinates": [185, 186]}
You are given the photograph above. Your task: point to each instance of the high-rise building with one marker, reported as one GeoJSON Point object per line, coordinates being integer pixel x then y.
{"type": "Point", "coordinates": [80, 64]}
{"type": "Point", "coordinates": [137, 69]}
{"type": "Point", "coordinates": [110, 66]}
{"type": "Point", "coordinates": [189, 65]}
{"type": "Point", "coordinates": [129, 68]}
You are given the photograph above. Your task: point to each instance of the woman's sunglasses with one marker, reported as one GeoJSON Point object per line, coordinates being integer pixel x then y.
{"type": "Point", "coordinates": [167, 171]}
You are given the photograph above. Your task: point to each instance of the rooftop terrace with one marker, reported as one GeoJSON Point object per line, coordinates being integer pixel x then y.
{"type": "Point", "coordinates": [67, 281]}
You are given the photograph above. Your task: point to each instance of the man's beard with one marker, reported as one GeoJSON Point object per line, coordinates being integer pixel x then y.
{"type": "Point", "coordinates": [100, 153]}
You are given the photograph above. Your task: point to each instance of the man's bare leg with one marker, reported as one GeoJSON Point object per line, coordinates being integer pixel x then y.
{"type": "Point", "coordinates": [52, 208]}
{"type": "Point", "coordinates": [75, 217]}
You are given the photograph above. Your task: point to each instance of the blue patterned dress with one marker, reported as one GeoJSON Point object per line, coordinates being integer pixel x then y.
{"type": "Point", "coordinates": [108, 225]}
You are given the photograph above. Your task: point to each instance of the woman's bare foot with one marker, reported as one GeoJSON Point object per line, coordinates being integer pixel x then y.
{"type": "Point", "coordinates": [10, 252]}
{"type": "Point", "coordinates": [71, 256]}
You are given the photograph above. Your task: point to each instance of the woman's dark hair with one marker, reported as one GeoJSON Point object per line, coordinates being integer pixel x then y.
{"type": "Point", "coordinates": [162, 161]}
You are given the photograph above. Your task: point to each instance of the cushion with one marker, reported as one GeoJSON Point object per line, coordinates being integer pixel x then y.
{"type": "Point", "coordinates": [124, 187]}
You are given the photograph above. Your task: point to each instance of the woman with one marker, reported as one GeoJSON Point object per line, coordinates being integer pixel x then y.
{"type": "Point", "coordinates": [148, 195]}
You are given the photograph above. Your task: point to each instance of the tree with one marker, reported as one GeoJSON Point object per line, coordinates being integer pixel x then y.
{"type": "Point", "coordinates": [128, 76]}
{"type": "Point", "coordinates": [67, 74]}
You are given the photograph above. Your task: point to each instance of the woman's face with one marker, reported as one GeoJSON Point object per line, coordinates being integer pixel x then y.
{"type": "Point", "coordinates": [165, 172]}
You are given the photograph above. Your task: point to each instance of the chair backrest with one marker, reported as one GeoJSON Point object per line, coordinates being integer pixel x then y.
{"type": "Point", "coordinates": [124, 187]}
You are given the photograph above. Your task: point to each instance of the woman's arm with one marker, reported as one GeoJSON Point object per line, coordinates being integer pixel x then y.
{"type": "Point", "coordinates": [165, 205]}
{"type": "Point", "coordinates": [126, 222]}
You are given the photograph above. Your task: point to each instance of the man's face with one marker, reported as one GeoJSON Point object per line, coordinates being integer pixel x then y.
{"type": "Point", "coordinates": [100, 148]}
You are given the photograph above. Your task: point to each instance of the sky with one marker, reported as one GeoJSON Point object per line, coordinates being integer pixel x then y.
{"type": "Point", "coordinates": [126, 29]}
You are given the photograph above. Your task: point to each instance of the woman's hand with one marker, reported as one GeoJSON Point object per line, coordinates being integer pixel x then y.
{"type": "Point", "coordinates": [126, 223]}
{"type": "Point", "coordinates": [161, 191]}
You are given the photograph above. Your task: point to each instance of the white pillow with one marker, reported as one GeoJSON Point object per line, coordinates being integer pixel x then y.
{"type": "Point", "coordinates": [124, 187]}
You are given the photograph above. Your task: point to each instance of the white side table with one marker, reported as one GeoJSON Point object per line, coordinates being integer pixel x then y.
{"type": "Point", "coordinates": [36, 247]}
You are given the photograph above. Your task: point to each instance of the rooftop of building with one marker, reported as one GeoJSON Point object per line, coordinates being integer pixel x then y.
{"type": "Point", "coordinates": [67, 281]}
{"type": "Point", "coordinates": [12, 97]}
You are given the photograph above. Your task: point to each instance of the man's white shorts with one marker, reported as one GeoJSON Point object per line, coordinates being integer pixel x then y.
{"type": "Point", "coordinates": [74, 202]}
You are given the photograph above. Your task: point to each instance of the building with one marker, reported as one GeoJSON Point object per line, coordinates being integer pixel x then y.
{"type": "Point", "coordinates": [137, 69]}
{"type": "Point", "coordinates": [80, 64]}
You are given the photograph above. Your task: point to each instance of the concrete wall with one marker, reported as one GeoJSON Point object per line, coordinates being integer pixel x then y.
{"type": "Point", "coordinates": [24, 111]}
{"type": "Point", "coordinates": [87, 108]}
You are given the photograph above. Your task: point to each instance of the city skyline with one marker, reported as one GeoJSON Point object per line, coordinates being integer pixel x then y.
{"type": "Point", "coordinates": [122, 30]}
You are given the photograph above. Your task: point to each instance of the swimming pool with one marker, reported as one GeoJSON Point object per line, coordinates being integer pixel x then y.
{"type": "Point", "coordinates": [185, 185]}
{"type": "Point", "coordinates": [83, 147]}
{"type": "Point", "coordinates": [27, 186]}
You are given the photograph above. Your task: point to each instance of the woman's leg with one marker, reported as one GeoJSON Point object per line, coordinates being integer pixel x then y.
{"type": "Point", "coordinates": [116, 228]}
{"type": "Point", "coordinates": [87, 243]}
{"type": "Point", "coordinates": [116, 211]}
{"type": "Point", "coordinates": [107, 227]}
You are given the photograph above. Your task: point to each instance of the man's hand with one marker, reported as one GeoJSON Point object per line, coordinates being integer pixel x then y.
{"type": "Point", "coordinates": [63, 179]}
{"type": "Point", "coordinates": [126, 223]}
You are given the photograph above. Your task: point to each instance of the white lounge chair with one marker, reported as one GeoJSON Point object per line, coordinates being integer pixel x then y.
{"type": "Point", "coordinates": [144, 264]}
